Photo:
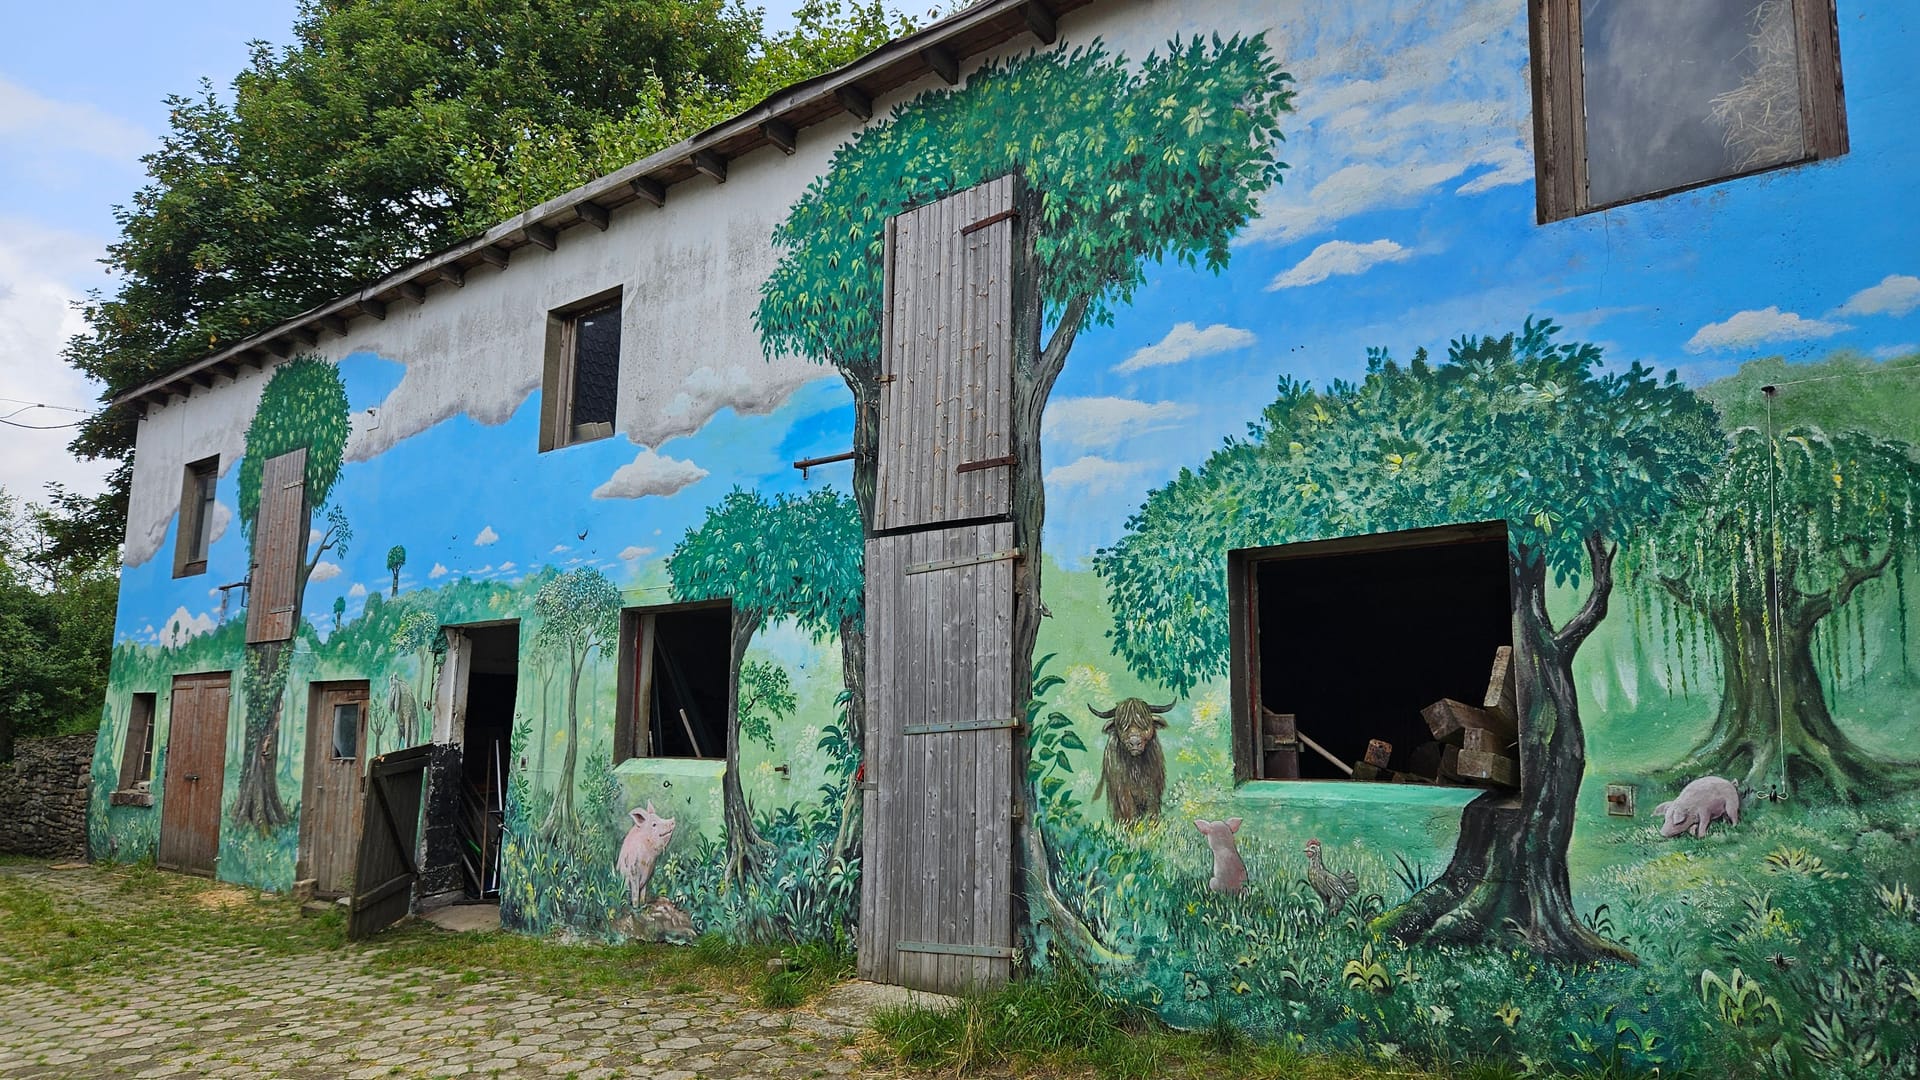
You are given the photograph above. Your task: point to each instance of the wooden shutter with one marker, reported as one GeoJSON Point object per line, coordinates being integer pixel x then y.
{"type": "Point", "coordinates": [947, 343]}
{"type": "Point", "coordinates": [279, 546]}
{"type": "Point", "coordinates": [936, 908]}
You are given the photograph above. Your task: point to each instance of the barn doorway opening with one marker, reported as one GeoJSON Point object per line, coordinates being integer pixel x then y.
{"type": "Point", "coordinates": [492, 684]}
{"type": "Point", "coordinates": [1353, 641]}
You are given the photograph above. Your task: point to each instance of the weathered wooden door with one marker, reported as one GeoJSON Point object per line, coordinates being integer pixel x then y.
{"type": "Point", "coordinates": [937, 872]}
{"type": "Point", "coordinates": [330, 819]}
{"type": "Point", "coordinates": [946, 358]}
{"type": "Point", "coordinates": [196, 773]}
{"type": "Point", "coordinates": [384, 874]}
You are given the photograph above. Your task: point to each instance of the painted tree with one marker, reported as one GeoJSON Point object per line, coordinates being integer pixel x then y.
{"type": "Point", "coordinates": [304, 405]}
{"type": "Point", "coordinates": [396, 558]}
{"type": "Point", "coordinates": [418, 633]}
{"type": "Point", "coordinates": [1790, 531]}
{"type": "Point", "coordinates": [339, 610]}
{"type": "Point", "coordinates": [796, 558]}
{"type": "Point", "coordinates": [1516, 429]}
{"type": "Point", "coordinates": [579, 612]}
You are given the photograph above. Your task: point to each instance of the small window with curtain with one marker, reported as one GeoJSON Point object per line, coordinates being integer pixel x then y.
{"type": "Point", "coordinates": [582, 377]}
{"type": "Point", "coordinates": [201, 481]}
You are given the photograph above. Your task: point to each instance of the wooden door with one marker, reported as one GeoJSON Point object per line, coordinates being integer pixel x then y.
{"type": "Point", "coordinates": [936, 904]}
{"type": "Point", "coordinates": [946, 359]}
{"type": "Point", "coordinates": [386, 869]}
{"type": "Point", "coordinates": [196, 773]}
{"type": "Point", "coordinates": [330, 818]}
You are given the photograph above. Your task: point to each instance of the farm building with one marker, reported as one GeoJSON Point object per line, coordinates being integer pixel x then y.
{"type": "Point", "coordinates": [1383, 523]}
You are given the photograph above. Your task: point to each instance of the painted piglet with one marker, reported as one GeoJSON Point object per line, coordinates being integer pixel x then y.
{"type": "Point", "coordinates": [1699, 805]}
{"type": "Point", "coordinates": [1229, 871]}
{"type": "Point", "coordinates": [641, 849]}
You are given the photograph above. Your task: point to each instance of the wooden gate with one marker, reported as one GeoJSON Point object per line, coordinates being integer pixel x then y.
{"type": "Point", "coordinates": [330, 818]}
{"type": "Point", "coordinates": [936, 903]}
{"type": "Point", "coordinates": [196, 773]}
{"type": "Point", "coordinates": [384, 874]}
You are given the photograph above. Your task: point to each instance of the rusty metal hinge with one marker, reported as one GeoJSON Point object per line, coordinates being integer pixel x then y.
{"type": "Point", "coordinates": [963, 560]}
{"type": "Point", "coordinates": [962, 725]}
{"type": "Point", "coordinates": [985, 463]}
{"type": "Point", "coordinates": [998, 952]}
{"type": "Point", "coordinates": [991, 219]}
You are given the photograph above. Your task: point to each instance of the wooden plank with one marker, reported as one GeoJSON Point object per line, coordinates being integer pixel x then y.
{"type": "Point", "coordinates": [641, 720]}
{"type": "Point", "coordinates": [1447, 718]}
{"type": "Point", "coordinates": [1477, 765]}
{"type": "Point", "coordinates": [1500, 697]}
{"type": "Point", "coordinates": [1486, 741]}
{"type": "Point", "coordinates": [1378, 753]}
{"type": "Point", "coordinates": [1823, 100]}
{"type": "Point", "coordinates": [279, 548]}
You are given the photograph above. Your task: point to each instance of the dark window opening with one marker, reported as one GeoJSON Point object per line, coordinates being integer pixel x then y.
{"type": "Point", "coordinates": [346, 730]}
{"type": "Point", "coordinates": [1353, 639]}
{"type": "Point", "coordinates": [582, 379]}
{"type": "Point", "coordinates": [677, 681]}
{"type": "Point", "coordinates": [196, 517]}
{"type": "Point", "coordinates": [136, 760]}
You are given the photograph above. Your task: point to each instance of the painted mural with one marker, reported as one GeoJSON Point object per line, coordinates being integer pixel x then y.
{"type": "Point", "coordinates": [1292, 290]}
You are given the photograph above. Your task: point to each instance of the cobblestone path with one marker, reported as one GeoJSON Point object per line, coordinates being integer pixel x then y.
{"type": "Point", "coordinates": [244, 1012]}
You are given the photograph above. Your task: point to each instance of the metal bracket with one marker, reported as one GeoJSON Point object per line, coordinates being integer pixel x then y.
{"type": "Point", "coordinates": [962, 560]}
{"type": "Point", "coordinates": [990, 219]}
{"type": "Point", "coordinates": [984, 463]}
{"type": "Point", "coordinates": [998, 952]}
{"type": "Point", "coordinates": [962, 725]}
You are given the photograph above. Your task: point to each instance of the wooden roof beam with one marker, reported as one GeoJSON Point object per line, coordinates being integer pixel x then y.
{"type": "Point", "coordinates": [650, 189]}
{"type": "Point", "coordinates": [375, 308]}
{"type": "Point", "coordinates": [414, 291]}
{"type": "Point", "coordinates": [711, 165]}
{"type": "Point", "coordinates": [1040, 20]}
{"type": "Point", "coordinates": [335, 324]}
{"type": "Point", "coordinates": [855, 100]}
{"type": "Point", "coordinates": [593, 214]}
{"type": "Point", "coordinates": [454, 274]}
{"type": "Point", "coordinates": [544, 236]}
{"type": "Point", "coordinates": [943, 62]}
{"type": "Point", "coordinates": [781, 134]}
{"type": "Point", "coordinates": [495, 256]}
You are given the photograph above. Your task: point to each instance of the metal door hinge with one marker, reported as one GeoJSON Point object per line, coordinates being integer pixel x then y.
{"type": "Point", "coordinates": [998, 952]}
{"type": "Point", "coordinates": [963, 725]}
{"type": "Point", "coordinates": [985, 463]}
{"type": "Point", "coordinates": [991, 219]}
{"type": "Point", "coordinates": [963, 560]}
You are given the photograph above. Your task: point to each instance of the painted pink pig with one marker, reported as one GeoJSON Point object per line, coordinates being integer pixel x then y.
{"type": "Point", "coordinates": [1229, 870]}
{"type": "Point", "coordinates": [1699, 805]}
{"type": "Point", "coordinates": [642, 848]}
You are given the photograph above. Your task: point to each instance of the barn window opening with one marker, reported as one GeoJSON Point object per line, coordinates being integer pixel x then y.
{"type": "Point", "coordinates": [582, 380]}
{"type": "Point", "coordinates": [675, 682]}
{"type": "Point", "coordinates": [1382, 658]}
{"type": "Point", "coordinates": [195, 536]}
{"type": "Point", "coordinates": [136, 759]}
{"type": "Point", "coordinates": [1639, 98]}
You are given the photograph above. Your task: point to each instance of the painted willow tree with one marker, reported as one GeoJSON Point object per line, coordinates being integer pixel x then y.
{"type": "Point", "coordinates": [1791, 529]}
{"type": "Point", "coordinates": [795, 558]}
{"type": "Point", "coordinates": [304, 404]}
{"type": "Point", "coordinates": [579, 612]}
{"type": "Point", "coordinates": [1516, 429]}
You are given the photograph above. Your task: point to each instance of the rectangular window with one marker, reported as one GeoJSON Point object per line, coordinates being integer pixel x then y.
{"type": "Point", "coordinates": [1638, 98]}
{"type": "Point", "coordinates": [136, 758]}
{"type": "Point", "coordinates": [197, 489]}
{"type": "Point", "coordinates": [675, 681]}
{"type": "Point", "coordinates": [1381, 657]}
{"type": "Point", "coordinates": [582, 380]}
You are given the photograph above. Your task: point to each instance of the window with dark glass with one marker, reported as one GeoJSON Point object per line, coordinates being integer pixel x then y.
{"type": "Point", "coordinates": [1637, 98]}
{"type": "Point", "coordinates": [136, 759]}
{"type": "Point", "coordinates": [675, 681]}
{"type": "Point", "coordinates": [198, 487]}
{"type": "Point", "coordinates": [582, 372]}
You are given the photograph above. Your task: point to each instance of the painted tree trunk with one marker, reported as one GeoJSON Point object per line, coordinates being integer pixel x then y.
{"type": "Point", "coordinates": [1509, 869]}
{"type": "Point", "coordinates": [853, 666]}
{"type": "Point", "coordinates": [743, 840]}
{"type": "Point", "coordinates": [562, 819]}
{"type": "Point", "coordinates": [257, 802]}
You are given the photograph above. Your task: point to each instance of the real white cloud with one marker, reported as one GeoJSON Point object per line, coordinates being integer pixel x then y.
{"type": "Point", "coordinates": [649, 474]}
{"type": "Point", "coordinates": [43, 273]}
{"type": "Point", "coordinates": [1896, 294]}
{"type": "Point", "coordinates": [439, 571]}
{"type": "Point", "coordinates": [1748, 328]}
{"type": "Point", "coordinates": [324, 571]}
{"type": "Point", "coordinates": [1339, 258]}
{"type": "Point", "coordinates": [1094, 475]}
{"type": "Point", "coordinates": [1187, 341]}
{"type": "Point", "coordinates": [487, 536]}
{"type": "Point", "coordinates": [183, 626]}
{"type": "Point", "coordinates": [635, 552]}
{"type": "Point", "coordinates": [357, 590]}
{"type": "Point", "coordinates": [1108, 421]}
{"type": "Point", "coordinates": [30, 122]}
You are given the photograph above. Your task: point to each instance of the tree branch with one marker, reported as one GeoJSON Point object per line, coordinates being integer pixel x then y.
{"type": "Point", "coordinates": [1054, 356]}
{"type": "Point", "coordinates": [1600, 556]}
{"type": "Point", "coordinates": [1815, 608]}
{"type": "Point", "coordinates": [1680, 590]}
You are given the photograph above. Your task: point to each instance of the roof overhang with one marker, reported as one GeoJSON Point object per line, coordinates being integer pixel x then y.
{"type": "Point", "coordinates": [938, 49]}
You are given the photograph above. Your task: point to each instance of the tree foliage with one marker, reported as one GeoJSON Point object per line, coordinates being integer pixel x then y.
{"type": "Point", "coordinates": [304, 405]}
{"type": "Point", "coordinates": [56, 629]}
{"type": "Point", "coordinates": [579, 611]}
{"type": "Point", "coordinates": [796, 557]}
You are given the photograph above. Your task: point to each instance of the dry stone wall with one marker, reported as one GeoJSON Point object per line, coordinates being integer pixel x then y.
{"type": "Point", "coordinates": [43, 797]}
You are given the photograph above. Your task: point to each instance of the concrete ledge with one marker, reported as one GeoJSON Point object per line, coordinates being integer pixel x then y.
{"type": "Point", "coordinates": [130, 798]}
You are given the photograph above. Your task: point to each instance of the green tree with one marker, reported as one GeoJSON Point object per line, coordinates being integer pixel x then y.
{"type": "Point", "coordinates": [304, 405]}
{"type": "Point", "coordinates": [1517, 429]}
{"type": "Point", "coordinates": [579, 612]}
{"type": "Point", "coordinates": [56, 629]}
{"type": "Point", "coordinates": [1792, 528]}
{"type": "Point", "coordinates": [796, 558]}
{"type": "Point", "coordinates": [396, 559]}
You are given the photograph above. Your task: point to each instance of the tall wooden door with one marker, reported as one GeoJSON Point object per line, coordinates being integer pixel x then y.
{"type": "Point", "coordinates": [387, 866]}
{"type": "Point", "coordinates": [330, 819]}
{"type": "Point", "coordinates": [196, 773]}
{"type": "Point", "coordinates": [946, 359]}
{"type": "Point", "coordinates": [936, 904]}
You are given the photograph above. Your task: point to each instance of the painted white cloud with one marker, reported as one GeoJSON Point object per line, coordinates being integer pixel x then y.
{"type": "Point", "coordinates": [1107, 421]}
{"type": "Point", "coordinates": [1896, 294]}
{"type": "Point", "coordinates": [559, 548]}
{"type": "Point", "coordinates": [324, 571]}
{"type": "Point", "coordinates": [1338, 258]}
{"type": "Point", "coordinates": [649, 474]}
{"type": "Point", "coordinates": [635, 552]}
{"type": "Point", "coordinates": [439, 571]}
{"type": "Point", "coordinates": [357, 590]}
{"type": "Point", "coordinates": [487, 536]}
{"type": "Point", "coordinates": [509, 565]}
{"type": "Point", "coordinates": [1187, 341]}
{"type": "Point", "coordinates": [1383, 133]}
{"type": "Point", "coordinates": [183, 626]}
{"type": "Point", "coordinates": [222, 517]}
{"type": "Point", "coordinates": [1893, 352]}
{"type": "Point", "coordinates": [1755, 327]}
{"type": "Point", "coordinates": [487, 569]}
{"type": "Point", "coordinates": [313, 536]}
{"type": "Point", "coordinates": [1094, 475]}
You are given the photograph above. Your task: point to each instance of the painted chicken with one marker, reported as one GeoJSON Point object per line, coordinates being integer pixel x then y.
{"type": "Point", "coordinates": [1334, 889]}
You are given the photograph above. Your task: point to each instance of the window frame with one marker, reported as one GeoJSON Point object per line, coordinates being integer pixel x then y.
{"type": "Point", "coordinates": [557, 429]}
{"type": "Point", "coordinates": [1243, 612]}
{"type": "Point", "coordinates": [1559, 105]}
{"type": "Point", "coordinates": [190, 546]}
{"type": "Point", "coordinates": [632, 735]}
{"type": "Point", "coordinates": [136, 760]}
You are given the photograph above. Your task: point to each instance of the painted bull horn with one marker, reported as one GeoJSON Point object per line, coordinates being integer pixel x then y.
{"type": "Point", "coordinates": [1108, 715]}
{"type": "Point", "coordinates": [1168, 707]}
